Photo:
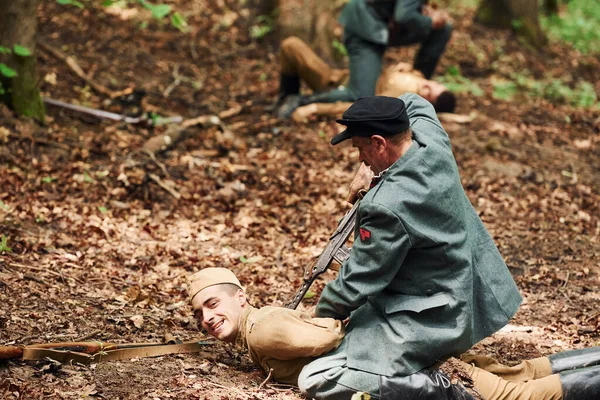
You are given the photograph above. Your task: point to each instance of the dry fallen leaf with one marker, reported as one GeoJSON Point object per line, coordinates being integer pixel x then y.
{"type": "Point", "coordinates": [138, 321]}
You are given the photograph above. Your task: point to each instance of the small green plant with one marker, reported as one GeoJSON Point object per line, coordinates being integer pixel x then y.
{"type": "Point", "coordinates": [4, 206]}
{"type": "Point", "coordinates": [262, 27]}
{"type": "Point", "coordinates": [179, 22]}
{"type": "Point", "coordinates": [578, 25]}
{"type": "Point", "coordinates": [158, 11]}
{"type": "Point", "coordinates": [48, 179]}
{"type": "Point", "coordinates": [102, 209]}
{"type": "Point", "coordinates": [455, 82]}
{"type": "Point", "coordinates": [4, 245]}
{"type": "Point", "coordinates": [339, 47]}
{"type": "Point", "coordinates": [7, 71]}
{"type": "Point", "coordinates": [70, 3]}
{"type": "Point", "coordinates": [87, 178]}
{"type": "Point", "coordinates": [504, 90]}
{"type": "Point", "coordinates": [554, 90]}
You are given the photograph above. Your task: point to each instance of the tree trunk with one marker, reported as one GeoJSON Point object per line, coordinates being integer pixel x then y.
{"type": "Point", "coordinates": [313, 21]}
{"type": "Point", "coordinates": [18, 26]}
{"type": "Point", "coordinates": [521, 15]}
{"type": "Point", "coordinates": [551, 7]}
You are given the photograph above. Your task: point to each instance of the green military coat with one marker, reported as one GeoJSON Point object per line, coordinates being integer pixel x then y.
{"type": "Point", "coordinates": [424, 280]}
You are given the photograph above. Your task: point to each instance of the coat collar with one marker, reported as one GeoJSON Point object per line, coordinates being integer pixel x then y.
{"type": "Point", "coordinates": [241, 340]}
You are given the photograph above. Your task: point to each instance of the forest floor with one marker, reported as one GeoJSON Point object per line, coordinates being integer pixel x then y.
{"type": "Point", "coordinates": [100, 251]}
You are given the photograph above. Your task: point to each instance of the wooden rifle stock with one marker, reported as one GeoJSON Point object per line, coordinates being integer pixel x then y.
{"type": "Point", "coordinates": [87, 352]}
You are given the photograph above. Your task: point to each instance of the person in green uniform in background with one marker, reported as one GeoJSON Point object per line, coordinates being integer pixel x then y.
{"type": "Point", "coordinates": [370, 27]}
{"type": "Point", "coordinates": [297, 59]}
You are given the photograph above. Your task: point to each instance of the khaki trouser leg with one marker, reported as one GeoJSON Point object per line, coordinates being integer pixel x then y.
{"type": "Point", "coordinates": [493, 387]}
{"type": "Point", "coordinates": [298, 59]}
{"type": "Point", "coordinates": [525, 371]}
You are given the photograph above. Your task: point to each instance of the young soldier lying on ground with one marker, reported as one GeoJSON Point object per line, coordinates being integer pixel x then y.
{"type": "Point", "coordinates": [285, 340]}
{"type": "Point", "coordinates": [300, 63]}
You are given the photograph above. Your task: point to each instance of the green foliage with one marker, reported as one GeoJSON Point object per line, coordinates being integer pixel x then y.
{"type": "Point", "coordinates": [102, 209]}
{"type": "Point", "coordinates": [70, 3]}
{"type": "Point", "coordinates": [7, 71]}
{"type": "Point", "coordinates": [48, 179]}
{"type": "Point", "coordinates": [262, 27]}
{"type": "Point", "coordinates": [87, 178]}
{"type": "Point", "coordinates": [4, 50]}
{"type": "Point", "coordinates": [504, 90]}
{"type": "Point", "coordinates": [4, 245]}
{"type": "Point", "coordinates": [579, 25]}
{"type": "Point", "coordinates": [554, 90]}
{"type": "Point", "coordinates": [158, 11]}
{"type": "Point", "coordinates": [21, 51]}
{"type": "Point", "coordinates": [179, 22]}
{"type": "Point", "coordinates": [4, 206]}
{"type": "Point", "coordinates": [339, 47]}
{"type": "Point", "coordinates": [457, 83]}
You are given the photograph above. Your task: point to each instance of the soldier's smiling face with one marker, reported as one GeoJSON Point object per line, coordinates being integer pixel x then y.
{"type": "Point", "coordinates": [218, 309]}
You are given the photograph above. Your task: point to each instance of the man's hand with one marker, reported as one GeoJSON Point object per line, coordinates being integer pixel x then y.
{"type": "Point", "coordinates": [439, 18]}
{"type": "Point", "coordinates": [361, 181]}
{"type": "Point", "coordinates": [302, 113]}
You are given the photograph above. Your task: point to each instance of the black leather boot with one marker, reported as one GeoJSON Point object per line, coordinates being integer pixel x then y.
{"type": "Point", "coordinates": [289, 87]}
{"type": "Point", "coordinates": [574, 359]}
{"type": "Point", "coordinates": [288, 84]}
{"type": "Point", "coordinates": [581, 384]}
{"type": "Point", "coordinates": [422, 385]}
{"type": "Point", "coordinates": [288, 105]}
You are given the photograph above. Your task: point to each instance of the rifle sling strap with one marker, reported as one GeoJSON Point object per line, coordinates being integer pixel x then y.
{"type": "Point", "coordinates": [32, 353]}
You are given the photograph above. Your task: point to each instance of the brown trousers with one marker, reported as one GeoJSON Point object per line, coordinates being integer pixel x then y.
{"type": "Point", "coordinates": [298, 59]}
{"type": "Point", "coordinates": [531, 379]}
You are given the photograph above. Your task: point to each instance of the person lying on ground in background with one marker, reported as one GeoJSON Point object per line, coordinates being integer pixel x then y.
{"type": "Point", "coordinates": [370, 27]}
{"type": "Point", "coordinates": [299, 63]}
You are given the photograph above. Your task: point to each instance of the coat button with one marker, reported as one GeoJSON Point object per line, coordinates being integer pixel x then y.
{"type": "Point", "coordinates": [429, 292]}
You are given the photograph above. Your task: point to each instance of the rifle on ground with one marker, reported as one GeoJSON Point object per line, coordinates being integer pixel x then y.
{"type": "Point", "coordinates": [93, 352]}
{"type": "Point", "coordinates": [113, 116]}
{"type": "Point", "coordinates": [335, 250]}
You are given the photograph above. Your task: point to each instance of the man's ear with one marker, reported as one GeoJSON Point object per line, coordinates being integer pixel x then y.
{"type": "Point", "coordinates": [379, 141]}
{"type": "Point", "coordinates": [241, 297]}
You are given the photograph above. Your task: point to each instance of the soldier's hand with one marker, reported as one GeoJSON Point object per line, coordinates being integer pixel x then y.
{"type": "Point", "coordinates": [361, 181]}
{"type": "Point", "coordinates": [302, 113]}
{"type": "Point", "coordinates": [439, 18]}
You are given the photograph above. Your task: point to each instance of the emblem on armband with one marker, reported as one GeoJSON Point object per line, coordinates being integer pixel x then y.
{"type": "Point", "coordinates": [365, 235]}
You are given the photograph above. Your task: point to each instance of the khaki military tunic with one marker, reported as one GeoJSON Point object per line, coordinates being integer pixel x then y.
{"type": "Point", "coordinates": [286, 340]}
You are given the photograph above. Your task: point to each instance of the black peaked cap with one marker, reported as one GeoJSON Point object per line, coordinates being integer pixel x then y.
{"type": "Point", "coordinates": [373, 115]}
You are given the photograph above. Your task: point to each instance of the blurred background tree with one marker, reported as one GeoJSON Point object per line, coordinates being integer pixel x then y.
{"type": "Point", "coordinates": [18, 67]}
{"type": "Point", "coordinates": [521, 15]}
{"type": "Point", "coordinates": [315, 22]}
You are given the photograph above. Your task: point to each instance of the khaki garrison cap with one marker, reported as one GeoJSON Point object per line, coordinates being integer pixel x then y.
{"type": "Point", "coordinates": [210, 277]}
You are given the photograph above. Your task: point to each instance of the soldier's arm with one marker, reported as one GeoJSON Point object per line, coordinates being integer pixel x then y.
{"type": "Point", "coordinates": [377, 254]}
{"type": "Point", "coordinates": [288, 335]}
{"type": "Point", "coordinates": [333, 110]}
{"type": "Point", "coordinates": [423, 118]}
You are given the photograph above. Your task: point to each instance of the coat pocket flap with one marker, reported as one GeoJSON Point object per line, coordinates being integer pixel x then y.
{"type": "Point", "coordinates": [417, 303]}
